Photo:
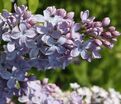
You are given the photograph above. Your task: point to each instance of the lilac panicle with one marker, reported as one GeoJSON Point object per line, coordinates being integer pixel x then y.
{"type": "Point", "coordinates": [42, 92]}
{"type": "Point", "coordinates": [54, 39]}
{"type": "Point", "coordinates": [46, 41]}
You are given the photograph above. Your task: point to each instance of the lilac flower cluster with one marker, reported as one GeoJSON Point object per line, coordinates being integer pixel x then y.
{"type": "Point", "coordinates": [42, 92]}
{"type": "Point", "coordinates": [100, 33]}
{"type": "Point", "coordinates": [39, 92]}
{"type": "Point", "coordinates": [46, 41]}
{"type": "Point", "coordinates": [97, 95]}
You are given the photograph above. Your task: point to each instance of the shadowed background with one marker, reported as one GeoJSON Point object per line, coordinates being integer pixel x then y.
{"type": "Point", "coordinates": [105, 72]}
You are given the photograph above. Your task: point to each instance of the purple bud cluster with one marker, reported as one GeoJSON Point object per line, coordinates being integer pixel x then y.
{"type": "Point", "coordinates": [46, 41]}
{"type": "Point", "coordinates": [99, 33]}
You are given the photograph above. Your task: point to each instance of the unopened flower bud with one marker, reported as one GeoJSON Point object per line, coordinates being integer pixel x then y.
{"type": "Point", "coordinates": [112, 28]}
{"type": "Point", "coordinates": [115, 33]}
{"type": "Point", "coordinates": [45, 81]}
{"type": "Point", "coordinates": [114, 40]}
{"type": "Point", "coordinates": [107, 34]}
{"type": "Point", "coordinates": [74, 85]}
{"type": "Point", "coordinates": [106, 21]}
{"type": "Point", "coordinates": [107, 44]}
{"type": "Point", "coordinates": [27, 14]}
{"type": "Point", "coordinates": [98, 42]}
{"type": "Point", "coordinates": [32, 22]}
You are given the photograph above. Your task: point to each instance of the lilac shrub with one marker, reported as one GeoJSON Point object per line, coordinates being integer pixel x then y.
{"type": "Point", "coordinates": [46, 41]}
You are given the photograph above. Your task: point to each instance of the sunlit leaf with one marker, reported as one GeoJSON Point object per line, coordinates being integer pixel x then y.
{"type": "Point", "coordinates": [33, 5]}
{"type": "Point", "coordinates": [7, 4]}
{"type": "Point", "coordinates": [1, 5]}
{"type": "Point", "coordinates": [22, 2]}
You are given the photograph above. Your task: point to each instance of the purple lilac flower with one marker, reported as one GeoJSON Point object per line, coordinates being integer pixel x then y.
{"type": "Point", "coordinates": [5, 93]}
{"type": "Point", "coordinates": [54, 39]}
{"type": "Point", "coordinates": [46, 41]}
{"type": "Point", "coordinates": [39, 93]}
{"type": "Point", "coordinates": [20, 33]}
{"type": "Point", "coordinates": [57, 38]}
{"type": "Point", "coordinates": [35, 91]}
{"type": "Point", "coordinates": [75, 98]}
{"type": "Point", "coordinates": [16, 75]}
{"type": "Point", "coordinates": [97, 94]}
{"type": "Point", "coordinates": [54, 16]}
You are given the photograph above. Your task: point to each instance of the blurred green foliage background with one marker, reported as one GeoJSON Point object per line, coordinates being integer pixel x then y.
{"type": "Point", "coordinates": [105, 72]}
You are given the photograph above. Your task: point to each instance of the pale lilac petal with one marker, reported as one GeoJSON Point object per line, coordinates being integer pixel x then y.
{"type": "Point", "coordinates": [16, 35]}
{"type": "Point", "coordinates": [69, 41]}
{"type": "Point", "coordinates": [95, 54]}
{"type": "Point", "coordinates": [46, 13]}
{"type": "Point", "coordinates": [91, 18]}
{"type": "Point", "coordinates": [70, 15]}
{"type": "Point", "coordinates": [22, 27]}
{"type": "Point", "coordinates": [33, 53]}
{"type": "Point", "coordinates": [5, 74]}
{"type": "Point", "coordinates": [76, 27]}
{"type": "Point", "coordinates": [22, 40]}
{"type": "Point", "coordinates": [17, 9]}
{"type": "Point", "coordinates": [61, 12]}
{"type": "Point", "coordinates": [11, 83]}
{"type": "Point", "coordinates": [61, 40]}
{"type": "Point", "coordinates": [49, 26]}
{"type": "Point", "coordinates": [23, 99]}
{"type": "Point", "coordinates": [48, 40]}
{"type": "Point", "coordinates": [84, 15]}
{"type": "Point", "coordinates": [84, 54]}
{"type": "Point", "coordinates": [55, 20]}
{"type": "Point", "coordinates": [75, 52]}
{"type": "Point", "coordinates": [38, 18]}
{"type": "Point", "coordinates": [15, 29]}
{"type": "Point", "coordinates": [61, 49]}
{"type": "Point", "coordinates": [30, 33]}
{"type": "Point", "coordinates": [20, 75]}
{"type": "Point", "coordinates": [49, 11]}
{"type": "Point", "coordinates": [11, 46]}
{"type": "Point", "coordinates": [41, 30]}
{"type": "Point", "coordinates": [6, 37]}
{"type": "Point", "coordinates": [56, 34]}
{"type": "Point", "coordinates": [30, 43]}
{"type": "Point", "coordinates": [51, 50]}
{"type": "Point", "coordinates": [11, 55]}
{"type": "Point", "coordinates": [76, 36]}
{"type": "Point", "coordinates": [64, 27]}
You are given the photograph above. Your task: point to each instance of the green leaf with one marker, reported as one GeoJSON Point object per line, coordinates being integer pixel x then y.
{"type": "Point", "coordinates": [33, 5]}
{"type": "Point", "coordinates": [7, 5]}
{"type": "Point", "coordinates": [1, 5]}
{"type": "Point", "coordinates": [22, 2]}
